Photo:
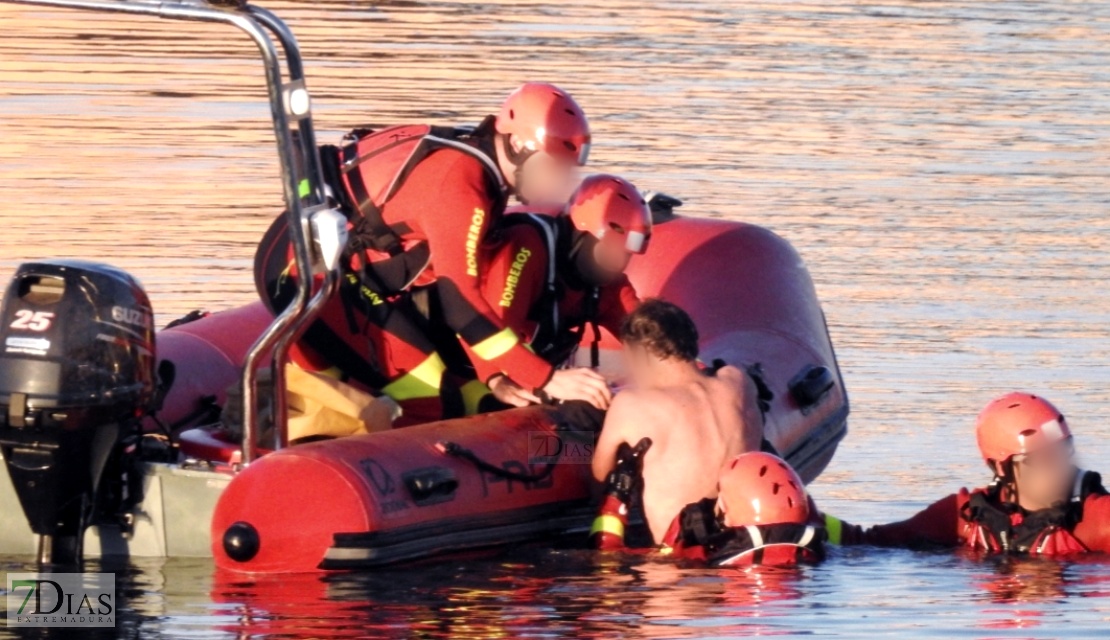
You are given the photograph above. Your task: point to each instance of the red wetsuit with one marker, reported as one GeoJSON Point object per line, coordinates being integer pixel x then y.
{"type": "Point", "coordinates": [446, 200]}
{"type": "Point", "coordinates": [516, 286]}
{"type": "Point", "coordinates": [449, 201]}
{"type": "Point", "coordinates": [951, 522]}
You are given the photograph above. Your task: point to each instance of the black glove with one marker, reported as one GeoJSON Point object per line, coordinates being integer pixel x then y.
{"type": "Point", "coordinates": [764, 393]}
{"type": "Point", "coordinates": [626, 478]}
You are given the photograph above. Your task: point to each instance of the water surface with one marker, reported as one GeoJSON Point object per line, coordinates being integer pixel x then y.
{"type": "Point", "coordinates": [940, 165]}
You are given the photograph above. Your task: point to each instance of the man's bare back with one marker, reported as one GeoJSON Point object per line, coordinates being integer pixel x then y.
{"type": "Point", "coordinates": [696, 422]}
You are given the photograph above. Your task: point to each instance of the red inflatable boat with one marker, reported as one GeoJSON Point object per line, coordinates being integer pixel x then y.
{"type": "Point", "coordinates": [384, 497]}
{"type": "Point", "coordinates": [81, 376]}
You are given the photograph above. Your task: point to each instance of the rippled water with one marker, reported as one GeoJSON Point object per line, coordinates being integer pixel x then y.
{"type": "Point", "coordinates": [942, 166]}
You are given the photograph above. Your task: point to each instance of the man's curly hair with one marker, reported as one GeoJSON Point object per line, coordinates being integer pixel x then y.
{"type": "Point", "coordinates": [664, 329]}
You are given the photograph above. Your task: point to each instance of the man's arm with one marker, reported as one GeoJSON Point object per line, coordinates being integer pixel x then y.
{"type": "Point", "coordinates": [613, 433]}
{"type": "Point", "coordinates": [747, 406]}
{"type": "Point", "coordinates": [938, 524]}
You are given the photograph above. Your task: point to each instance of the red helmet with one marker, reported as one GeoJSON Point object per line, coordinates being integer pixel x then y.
{"type": "Point", "coordinates": [613, 211]}
{"type": "Point", "coordinates": [1016, 424]}
{"type": "Point", "coordinates": [546, 119]}
{"type": "Point", "coordinates": [758, 488]}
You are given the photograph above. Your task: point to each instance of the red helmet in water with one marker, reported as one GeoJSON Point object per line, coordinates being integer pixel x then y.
{"type": "Point", "coordinates": [545, 118]}
{"type": "Point", "coordinates": [613, 211]}
{"type": "Point", "coordinates": [1017, 424]}
{"type": "Point", "coordinates": [758, 488]}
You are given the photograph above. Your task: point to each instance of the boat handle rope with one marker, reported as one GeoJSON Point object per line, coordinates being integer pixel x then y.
{"type": "Point", "coordinates": [456, 450]}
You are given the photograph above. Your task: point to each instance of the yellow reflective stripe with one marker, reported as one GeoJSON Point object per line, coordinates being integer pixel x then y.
{"type": "Point", "coordinates": [496, 345]}
{"type": "Point", "coordinates": [834, 527]}
{"type": "Point", "coordinates": [332, 372]}
{"type": "Point", "coordinates": [304, 188]}
{"type": "Point", "coordinates": [421, 382]}
{"type": "Point", "coordinates": [284, 274]}
{"type": "Point", "coordinates": [472, 394]}
{"type": "Point", "coordinates": [608, 524]}
{"type": "Point", "coordinates": [666, 550]}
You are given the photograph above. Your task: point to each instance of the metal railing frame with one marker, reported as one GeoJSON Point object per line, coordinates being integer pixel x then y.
{"type": "Point", "coordinates": [286, 106]}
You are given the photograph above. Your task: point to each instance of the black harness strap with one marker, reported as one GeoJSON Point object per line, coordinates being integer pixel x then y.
{"type": "Point", "coordinates": [370, 231]}
{"type": "Point", "coordinates": [343, 356]}
{"type": "Point", "coordinates": [989, 511]}
{"type": "Point", "coordinates": [552, 341]}
{"type": "Point", "coordinates": [377, 290]}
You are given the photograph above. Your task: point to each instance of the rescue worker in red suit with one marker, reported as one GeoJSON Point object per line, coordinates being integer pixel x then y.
{"type": "Point", "coordinates": [761, 515]}
{"type": "Point", "coordinates": [559, 272]}
{"type": "Point", "coordinates": [421, 202]}
{"type": "Point", "coordinates": [1039, 503]}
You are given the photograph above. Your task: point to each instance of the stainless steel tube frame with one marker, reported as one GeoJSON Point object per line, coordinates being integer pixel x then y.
{"type": "Point", "coordinates": [254, 22]}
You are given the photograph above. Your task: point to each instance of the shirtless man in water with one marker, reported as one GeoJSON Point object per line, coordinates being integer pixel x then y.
{"type": "Point", "coordinates": [695, 421]}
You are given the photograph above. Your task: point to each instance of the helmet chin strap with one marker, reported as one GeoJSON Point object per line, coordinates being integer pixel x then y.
{"type": "Point", "coordinates": [517, 159]}
{"type": "Point", "coordinates": [518, 182]}
{"type": "Point", "coordinates": [1007, 479]}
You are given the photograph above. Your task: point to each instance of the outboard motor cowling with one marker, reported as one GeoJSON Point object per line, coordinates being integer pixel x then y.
{"type": "Point", "coordinates": [77, 371]}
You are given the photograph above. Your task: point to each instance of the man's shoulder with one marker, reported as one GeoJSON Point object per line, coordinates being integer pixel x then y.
{"type": "Point", "coordinates": [733, 382]}
{"type": "Point", "coordinates": [640, 403]}
{"type": "Point", "coordinates": [635, 414]}
{"type": "Point", "coordinates": [635, 396]}
{"type": "Point", "coordinates": [731, 374]}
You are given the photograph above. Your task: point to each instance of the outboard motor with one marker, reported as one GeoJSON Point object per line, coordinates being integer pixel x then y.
{"type": "Point", "coordinates": [76, 375]}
